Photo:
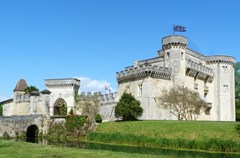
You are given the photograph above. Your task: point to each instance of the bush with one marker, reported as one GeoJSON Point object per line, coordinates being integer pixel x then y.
{"type": "Point", "coordinates": [74, 122]}
{"type": "Point", "coordinates": [128, 108]}
{"type": "Point", "coordinates": [6, 135]}
{"type": "Point", "coordinates": [98, 118]}
{"type": "Point", "coordinates": [57, 130]}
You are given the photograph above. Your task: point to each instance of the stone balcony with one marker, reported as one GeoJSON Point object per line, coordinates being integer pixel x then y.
{"type": "Point", "coordinates": [199, 71]}
{"type": "Point", "coordinates": [139, 72]}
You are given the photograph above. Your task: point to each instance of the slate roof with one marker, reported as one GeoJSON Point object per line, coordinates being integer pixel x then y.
{"type": "Point", "coordinates": [21, 85]}
{"type": "Point", "coordinates": [46, 91]}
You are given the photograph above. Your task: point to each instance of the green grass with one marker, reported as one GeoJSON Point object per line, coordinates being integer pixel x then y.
{"type": "Point", "coordinates": [212, 136]}
{"type": "Point", "coordinates": [173, 129]}
{"type": "Point", "coordinates": [12, 149]}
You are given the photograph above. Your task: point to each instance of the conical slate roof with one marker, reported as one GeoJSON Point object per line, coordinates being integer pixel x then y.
{"type": "Point", "coordinates": [21, 85]}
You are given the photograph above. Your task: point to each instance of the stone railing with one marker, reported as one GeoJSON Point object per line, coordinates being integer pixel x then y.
{"type": "Point", "coordinates": [199, 71]}
{"type": "Point", "coordinates": [139, 72]}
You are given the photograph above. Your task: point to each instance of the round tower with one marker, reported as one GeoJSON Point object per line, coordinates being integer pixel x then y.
{"type": "Point", "coordinates": [174, 49]}
{"type": "Point", "coordinates": [224, 86]}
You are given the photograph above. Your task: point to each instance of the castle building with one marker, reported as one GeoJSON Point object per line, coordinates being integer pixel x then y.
{"type": "Point", "coordinates": [177, 65]}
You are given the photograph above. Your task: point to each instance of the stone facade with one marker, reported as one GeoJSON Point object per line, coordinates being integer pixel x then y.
{"type": "Point", "coordinates": [176, 65]}
{"type": "Point", "coordinates": [44, 102]}
{"type": "Point", "coordinates": [211, 76]}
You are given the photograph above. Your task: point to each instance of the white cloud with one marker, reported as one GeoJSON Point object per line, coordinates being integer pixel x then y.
{"type": "Point", "coordinates": [90, 85]}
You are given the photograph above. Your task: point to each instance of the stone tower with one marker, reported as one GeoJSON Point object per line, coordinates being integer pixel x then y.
{"type": "Point", "coordinates": [62, 90]}
{"type": "Point", "coordinates": [174, 48]}
{"type": "Point", "coordinates": [224, 86]}
{"type": "Point", "coordinates": [19, 90]}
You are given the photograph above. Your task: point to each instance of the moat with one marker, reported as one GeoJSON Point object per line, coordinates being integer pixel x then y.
{"type": "Point", "coordinates": [132, 149]}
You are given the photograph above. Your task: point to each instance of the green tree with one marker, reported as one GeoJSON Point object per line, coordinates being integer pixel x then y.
{"type": "Point", "coordinates": [237, 90]}
{"type": "Point", "coordinates": [31, 89]}
{"type": "Point", "coordinates": [128, 108]}
{"type": "Point", "coordinates": [182, 102]}
{"type": "Point", "coordinates": [61, 108]}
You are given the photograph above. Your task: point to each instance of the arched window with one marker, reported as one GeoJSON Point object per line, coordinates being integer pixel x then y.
{"type": "Point", "coordinates": [60, 107]}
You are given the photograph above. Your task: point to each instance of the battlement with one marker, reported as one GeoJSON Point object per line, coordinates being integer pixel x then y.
{"type": "Point", "coordinates": [220, 59]}
{"type": "Point", "coordinates": [199, 71]}
{"type": "Point", "coordinates": [104, 98]}
{"type": "Point", "coordinates": [66, 82]}
{"type": "Point", "coordinates": [134, 73]}
{"type": "Point", "coordinates": [174, 42]}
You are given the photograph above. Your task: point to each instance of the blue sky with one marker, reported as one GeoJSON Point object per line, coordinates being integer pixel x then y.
{"type": "Point", "coordinates": [94, 39]}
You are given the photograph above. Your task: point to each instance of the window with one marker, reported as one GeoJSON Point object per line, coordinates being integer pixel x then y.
{"type": "Point", "coordinates": [195, 86]}
{"type": "Point", "coordinates": [181, 55]}
{"type": "Point", "coordinates": [168, 55]}
{"type": "Point", "coordinates": [225, 88]}
{"type": "Point", "coordinates": [225, 68]}
{"type": "Point", "coordinates": [140, 90]}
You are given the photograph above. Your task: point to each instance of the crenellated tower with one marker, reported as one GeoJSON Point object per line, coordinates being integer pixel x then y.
{"type": "Point", "coordinates": [224, 86]}
{"type": "Point", "coordinates": [174, 49]}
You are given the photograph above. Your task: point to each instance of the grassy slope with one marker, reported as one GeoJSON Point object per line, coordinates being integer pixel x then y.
{"type": "Point", "coordinates": [173, 129]}
{"type": "Point", "coordinates": [10, 149]}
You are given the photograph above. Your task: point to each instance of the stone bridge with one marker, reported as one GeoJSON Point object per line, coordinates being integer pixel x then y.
{"type": "Point", "coordinates": [23, 125]}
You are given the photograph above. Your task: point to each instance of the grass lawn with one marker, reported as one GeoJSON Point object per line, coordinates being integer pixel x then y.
{"type": "Point", "coordinates": [197, 130]}
{"type": "Point", "coordinates": [12, 149]}
{"type": "Point", "coordinates": [194, 135]}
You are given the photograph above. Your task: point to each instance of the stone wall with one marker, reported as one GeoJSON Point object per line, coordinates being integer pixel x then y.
{"type": "Point", "coordinates": [19, 124]}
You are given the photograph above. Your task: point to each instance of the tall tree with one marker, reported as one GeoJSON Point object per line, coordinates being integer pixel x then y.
{"type": "Point", "coordinates": [237, 90]}
{"type": "Point", "coordinates": [128, 108]}
{"type": "Point", "coordinates": [182, 102]}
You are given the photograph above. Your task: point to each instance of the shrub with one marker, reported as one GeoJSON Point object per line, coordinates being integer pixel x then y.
{"type": "Point", "coordinates": [6, 135]}
{"type": "Point", "coordinates": [74, 122]}
{"type": "Point", "coordinates": [98, 118]}
{"type": "Point", "coordinates": [56, 130]}
{"type": "Point", "coordinates": [128, 108]}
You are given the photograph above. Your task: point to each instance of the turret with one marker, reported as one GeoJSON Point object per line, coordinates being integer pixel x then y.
{"type": "Point", "coordinates": [19, 90]}
{"type": "Point", "coordinates": [174, 49]}
{"type": "Point", "coordinates": [224, 80]}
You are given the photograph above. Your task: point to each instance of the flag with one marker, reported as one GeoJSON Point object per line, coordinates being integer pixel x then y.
{"type": "Point", "coordinates": [179, 28]}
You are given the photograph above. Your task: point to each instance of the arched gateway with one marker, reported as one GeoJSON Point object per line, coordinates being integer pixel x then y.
{"type": "Point", "coordinates": [63, 93]}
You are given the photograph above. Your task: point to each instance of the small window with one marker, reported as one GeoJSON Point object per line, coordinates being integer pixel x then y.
{"type": "Point", "coordinates": [168, 55]}
{"type": "Point", "coordinates": [225, 69]}
{"type": "Point", "coordinates": [195, 86]}
{"type": "Point", "coordinates": [225, 88]}
{"type": "Point", "coordinates": [181, 55]}
{"type": "Point", "coordinates": [207, 111]}
{"type": "Point", "coordinates": [140, 90]}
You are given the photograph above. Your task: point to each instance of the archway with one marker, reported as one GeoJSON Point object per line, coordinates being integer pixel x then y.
{"type": "Point", "coordinates": [32, 133]}
{"type": "Point", "coordinates": [60, 107]}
